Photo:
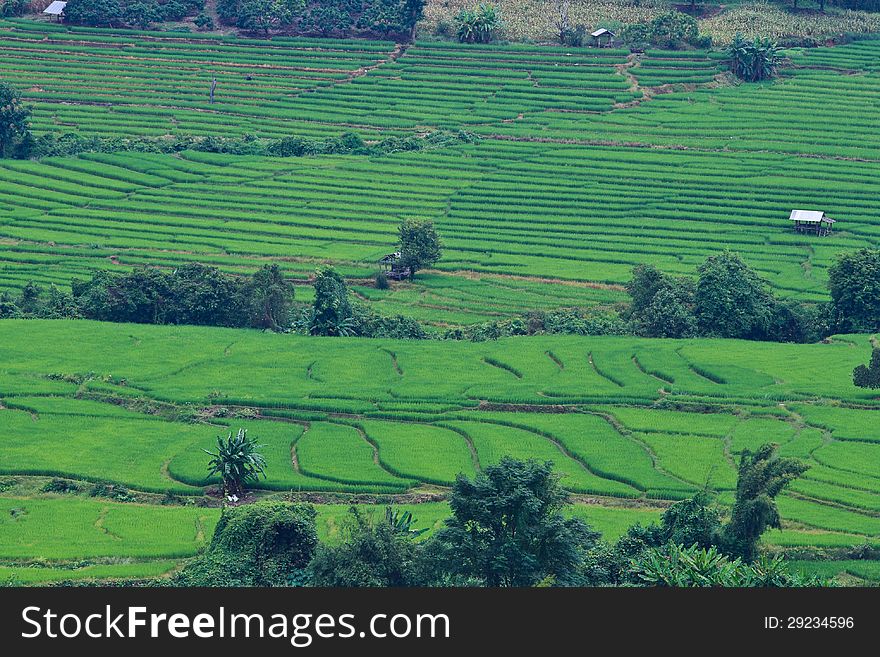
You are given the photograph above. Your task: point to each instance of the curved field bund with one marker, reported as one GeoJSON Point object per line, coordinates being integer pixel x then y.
{"type": "Point", "coordinates": [620, 417]}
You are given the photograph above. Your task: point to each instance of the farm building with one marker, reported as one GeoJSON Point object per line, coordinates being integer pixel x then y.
{"type": "Point", "coordinates": [55, 9]}
{"type": "Point", "coordinates": [603, 37]}
{"type": "Point", "coordinates": [393, 268]}
{"type": "Point", "coordinates": [811, 221]}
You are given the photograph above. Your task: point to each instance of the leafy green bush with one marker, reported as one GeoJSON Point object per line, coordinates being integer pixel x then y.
{"type": "Point", "coordinates": [262, 544]}
{"type": "Point", "coordinates": [13, 7]}
{"type": "Point", "coordinates": [479, 25]}
{"type": "Point", "coordinates": [679, 566]}
{"type": "Point", "coordinates": [754, 61]}
{"type": "Point", "coordinates": [868, 376]}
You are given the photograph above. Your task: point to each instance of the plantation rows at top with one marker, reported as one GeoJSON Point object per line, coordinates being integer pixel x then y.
{"type": "Point", "coordinates": [583, 170]}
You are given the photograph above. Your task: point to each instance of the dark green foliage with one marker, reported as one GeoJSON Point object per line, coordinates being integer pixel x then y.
{"type": "Point", "coordinates": [326, 18]}
{"type": "Point", "coordinates": [381, 281]}
{"type": "Point", "coordinates": [731, 300]}
{"type": "Point", "coordinates": [680, 566]}
{"type": "Point", "coordinates": [111, 491]}
{"type": "Point", "coordinates": [262, 544]}
{"type": "Point", "coordinates": [332, 309]}
{"type": "Point", "coordinates": [868, 376]}
{"type": "Point", "coordinates": [191, 294]}
{"type": "Point", "coordinates": [62, 486]}
{"type": "Point", "coordinates": [141, 14]}
{"type": "Point", "coordinates": [419, 244]}
{"type": "Point", "coordinates": [238, 461]}
{"type": "Point", "coordinates": [372, 553]}
{"type": "Point", "coordinates": [134, 13]}
{"type": "Point", "coordinates": [204, 22]}
{"type": "Point", "coordinates": [266, 15]}
{"type": "Point", "coordinates": [270, 296]}
{"type": "Point", "coordinates": [13, 7]}
{"type": "Point", "coordinates": [672, 30]}
{"type": "Point", "coordinates": [50, 145]}
{"type": "Point", "coordinates": [754, 61]}
{"type": "Point", "coordinates": [507, 528]}
{"type": "Point", "coordinates": [95, 13]}
{"type": "Point", "coordinates": [695, 521]}
{"type": "Point", "coordinates": [478, 25]}
{"type": "Point", "coordinates": [662, 306]}
{"type": "Point", "coordinates": [854, 280]}
{"type": "Point", "coordinates": [15, 136]}
{"type": "Point", "coordinates": [391, 16]}
{"type": "Point", "coordinates": [762, 476]}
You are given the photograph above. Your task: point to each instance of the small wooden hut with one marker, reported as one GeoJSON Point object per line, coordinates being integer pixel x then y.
{"type": "Point", "coordinates": [56, 9]}
{"type": "Point", "coordinates": [811, 221]}
{"type": "Point", "coordinates": [393, 268]}
{"type": "Point", "coordinates": [602, 38]}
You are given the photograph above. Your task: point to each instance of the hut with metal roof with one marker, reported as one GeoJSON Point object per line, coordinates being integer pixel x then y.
{"type": "Point", "coordinates": [56, 9]}
{"type": "Point", "coordinates": [811, 221]}
{"type": "Point", "coordinates": [603, 37]}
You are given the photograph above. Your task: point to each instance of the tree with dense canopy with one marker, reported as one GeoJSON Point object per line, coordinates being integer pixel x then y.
{"type": "Point", "coordinates": [332, 309]}
{"type": "Point", "coordinates": [868, 376]}
{"type": "Point", "coordinates": [854, 280]}
{"type": "Point", "coordinates": [419, 244]}
{"type": "Point", "coordinates": [14, 115]}
{"type": "Point", "coordinates": [731, 300]}
{"type": "Point", "coordinates": [507, 528]}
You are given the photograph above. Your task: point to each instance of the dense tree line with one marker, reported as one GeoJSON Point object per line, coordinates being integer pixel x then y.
{"type": "Point", "coordinates": [385, 18]}
{"type": "Point", "coordinates": [133, 13]}
{"type": "Point", "coordinates": [729, 300]}
{"type": "Point", "coordinates": [190, 294]}
{"type": "Point", "coordinates": [508, 527]}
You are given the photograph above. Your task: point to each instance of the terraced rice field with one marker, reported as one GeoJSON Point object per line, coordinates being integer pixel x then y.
{"type": "Point", "coordinates": [588, 163]}
{"type": "Point", "coordinates": [614, 426]}
{"type": "Point", "coordinates": [583, 171]}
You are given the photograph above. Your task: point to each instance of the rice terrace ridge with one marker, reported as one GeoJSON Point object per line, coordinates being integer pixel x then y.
{"type": "Point", "coordinates": [335, 266]}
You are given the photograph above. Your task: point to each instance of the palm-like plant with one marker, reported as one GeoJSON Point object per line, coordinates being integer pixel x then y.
{"type": "Point", "coordinates": [237, 461]}
{"type": "Point", "coordinates": [754, 61]}
{"type": "Point", "coordinates": [477, 25]}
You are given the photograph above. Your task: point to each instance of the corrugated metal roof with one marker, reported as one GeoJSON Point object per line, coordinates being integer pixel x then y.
{"type": "Point", "coordinates": [601, 31]}
{"type": "Point", "coordinates": [810, 216]}
{"type": "Point", "coordinates": [56, 8]}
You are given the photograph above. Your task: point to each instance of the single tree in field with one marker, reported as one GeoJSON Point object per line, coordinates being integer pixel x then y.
{"type": "Point", "coordinates": [508, 529]}
{"type": "Point", "coordinates": [419, 244]}
{"type": "Point", "coordinates": [868, 376]}
{"type": "Point", "coordinates": [762, 476]}
{"type": "Point", "coordinates": [237, 460]}
{"type": "Point", "coordinates": [13, 120]}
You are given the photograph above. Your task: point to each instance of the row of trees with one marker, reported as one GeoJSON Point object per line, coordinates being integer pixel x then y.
{"type": "Point", "coordinates": [729, 300]}
{"type": "Point", "coordinates": [134, 13]}
{"type": "Point", "coordinates": [324, 17]}
{"type": "Point", "coordinates": [508, 527]}
{"type": "Point", "coordinates": [191, 294]}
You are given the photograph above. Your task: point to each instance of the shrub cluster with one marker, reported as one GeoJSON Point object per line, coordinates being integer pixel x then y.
{"type": "Point", "coordinates": [324, 17]}
{"type": "Point", "coordinates": [672, 30]}
{"type": "Point", "coordinates": [728, 300]}
{"type": "Point", "coordinates": [132, 13]}
{"type": "Point", "coordinates": [191, 294]}
{"type": "Point", "coordinates": [52, 145]}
